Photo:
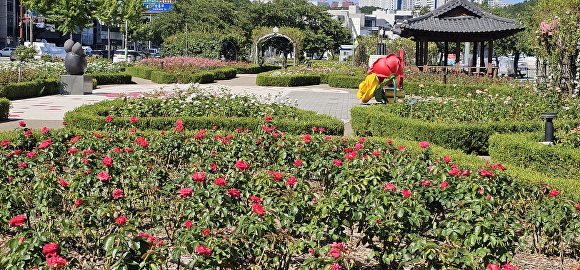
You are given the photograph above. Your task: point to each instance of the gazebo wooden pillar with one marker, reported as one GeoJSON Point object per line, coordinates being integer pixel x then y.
{"type": "Point", "coordinates": [458, 21]}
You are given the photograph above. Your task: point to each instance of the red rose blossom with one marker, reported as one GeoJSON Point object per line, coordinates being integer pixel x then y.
{"type": "Point", "coordinates": [424, 144]}
{"type": "Point", "coordinates": [108, 118]}
{"type": "Point", "coordinates": [201, 249]}
{"type": "Point", "coordinates": [198, 177]}
{"type": "Point", "coordinates": [405, 193]}
{"type": "Point", "coordinates": [107, 161]}
{"type": "Point", "coordinates": [276, 175]}
{"type": "Point", "coordinates": [121, 220]}
{"type": "Point", "coordinates": [554, 193]}
{"type": "Point", "coordinates": [133, 119]}
{"type": "Point", "coordinates": [117, 194]}
{"type": "Point", "coordinates": [234, 192]}
{"type": "Point", "coordinates": [188, 224]}
{"type": "Point", "coordinates": [50, 248]}
{"type": "Point", "coordinates": [17, 221]}
{"type": "Point", "coordinates": [220, 181]}
{"type": "Point", "coordinates": [185, 192]}
{"type": "Point", "coordinates": [258, 209]}
{"type": "Point", "coordinates": [242, 165]}
{"type": "Point", "coordinates": [205, 232]}
{"type": "Point", "coordinates": [103, 176]}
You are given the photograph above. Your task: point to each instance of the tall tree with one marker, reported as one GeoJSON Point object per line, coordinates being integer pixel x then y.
{"type": "Point", "coordinates": [522, 42]}
{"type": "Point", "coordinates": [70, 15]}
{"type": "Point", "coordinates": [116, 13]}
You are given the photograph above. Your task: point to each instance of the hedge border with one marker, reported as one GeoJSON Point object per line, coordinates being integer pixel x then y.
{"type": "Point", "coordinates": [266, 79]}
{"type": "Point", "coordinates": [92, 117]}
{"type": "Point", "coordinates": [468, 137]}
{"type": "Point", "coordinates": [525, 150]}
{"type": "Point", "coordinates": [30, 89]}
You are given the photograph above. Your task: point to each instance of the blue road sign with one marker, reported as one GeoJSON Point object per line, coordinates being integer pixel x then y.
{"type": "Point", "coordinates": [157, 7]}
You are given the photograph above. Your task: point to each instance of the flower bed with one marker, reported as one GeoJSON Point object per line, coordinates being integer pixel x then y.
{"type": "Point", "coordinates": [201, 108]}
{"type": "Point", "coordinates": [237, 200]}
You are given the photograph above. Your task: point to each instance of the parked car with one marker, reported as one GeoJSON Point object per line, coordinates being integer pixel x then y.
{"type": "Point", "coordinates": [7, 51]}
{"type": "Point", "coordinates": [132, 56]}
{"type": "Point", "coordinates": [100, 53]}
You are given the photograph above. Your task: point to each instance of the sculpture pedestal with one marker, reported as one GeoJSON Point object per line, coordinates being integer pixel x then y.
{"type": "Point", "coordinates": [76, 84]}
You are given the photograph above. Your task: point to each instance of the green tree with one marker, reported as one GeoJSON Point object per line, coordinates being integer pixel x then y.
{"type": "Point", "coordinates": [522, 42]}
{"type": "Point", "coordinates": [311, 19]}
{"type": "Point", "coordinates": [558, 41]}
{"type": "Point", "coordinates": [70, 15]}
{"type": "Point", "coordinates": [115, 13]}
{"type": "Point", "coordinates": [368, 10]}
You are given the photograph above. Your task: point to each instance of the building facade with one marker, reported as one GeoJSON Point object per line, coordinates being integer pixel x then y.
{"type": "Point", "coordinates": [9, 19]}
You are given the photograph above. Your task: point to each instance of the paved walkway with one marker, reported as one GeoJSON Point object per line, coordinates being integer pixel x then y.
{"type": "Point", "coordinates": [49, 111]}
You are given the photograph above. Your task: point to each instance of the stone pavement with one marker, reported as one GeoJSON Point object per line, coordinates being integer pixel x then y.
{"type": "Point", "coordinates": [49, 111]}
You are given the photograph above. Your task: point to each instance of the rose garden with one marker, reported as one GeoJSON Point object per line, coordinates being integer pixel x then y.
{"type": "Point", "coordinates": [204, 179]}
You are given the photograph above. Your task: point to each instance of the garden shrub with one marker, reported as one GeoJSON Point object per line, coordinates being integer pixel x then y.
{"type": "Point", "coordinates": [163, 77]}
{"type": "Point", "coordinates": [198, 77]}
{"type": "Point", "coordinates": [255, 69]}
{"type": "Point", "coordinates": [277, 78]}
{"type": "Point", "coordinates": [118, 78]}
{"type": "Point", "coordinates": [224, 73]}
{"type": "Point", "coordinates": [111, 195]}
{"type": "Point", "coordinates": [345, 81]}
{"type": "Point", "coordinates": [4, 108]}
{"type": "Point", "coordinates": [524, 150]}
{"type": "Point", "coordinates": [30, 89]}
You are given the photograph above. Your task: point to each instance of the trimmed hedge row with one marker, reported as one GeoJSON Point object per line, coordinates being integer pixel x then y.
{"type": "Point", "coordinates": [266, 79]}
{"type": "Point", "coordinates": [164, 77]}
{"type": "Point", "coordinates": [524, 150]}
{"type": "Point", "coordinates": [106, 78]}
{"type": "Point", "coordinates": [255, 69]}
{"type": "Point", "coordinates": [30, 89]}
{"type": "Point", "coordinates": [374, 120]}
{"type": "Point", "coordinates": [92, 117]}
{"type": "Point", "coordinates": [344, 81]}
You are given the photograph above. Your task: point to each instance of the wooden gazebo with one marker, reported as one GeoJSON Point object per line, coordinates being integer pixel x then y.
{"type": "Point", "coordinates": [459, 21]}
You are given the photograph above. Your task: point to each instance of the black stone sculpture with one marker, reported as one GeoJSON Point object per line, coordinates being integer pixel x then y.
{"type": "Point", "coordinates": [75, 62]}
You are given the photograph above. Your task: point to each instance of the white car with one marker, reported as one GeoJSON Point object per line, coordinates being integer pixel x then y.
{"type": "Point", "coordinates": [6, 51]}
{"type": "Point", "coordinates": [132, 56]}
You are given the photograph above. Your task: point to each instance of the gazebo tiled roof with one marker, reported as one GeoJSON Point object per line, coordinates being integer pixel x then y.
{"type": "Point", "coordinates": [459, 20]}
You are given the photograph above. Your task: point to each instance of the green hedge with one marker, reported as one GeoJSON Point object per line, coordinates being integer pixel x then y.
{"type": "Point", "coordinates": [266, 79]}
{"type": "Point", "coordinates": [469, 137]}
{"type": "Point", "coordinates": [106, 78]}
{"type": "Point", "coordinates": [224, 73]}
{"type": "Point", "coordinates": [4, 108]}
{"type": "Point", "coordinates": [344, 81]}
{"type": "Point", "coordinates": [524, 150]}
{"type": "Point", "coordinates": [92, 117]}
{"type": "Point", "coordinates": [255, 69]}
{"type": "Point", "coordinates": [163, 77]}
{"type": "Point", "coordinates": [30, 89]}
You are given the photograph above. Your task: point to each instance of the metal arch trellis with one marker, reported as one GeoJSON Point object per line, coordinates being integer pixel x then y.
{"type": "Point", "coordinates": [256, 50]}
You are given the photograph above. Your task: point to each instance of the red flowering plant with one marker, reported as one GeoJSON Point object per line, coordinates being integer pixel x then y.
{"type": "Point", "coordinates": [152, 199]}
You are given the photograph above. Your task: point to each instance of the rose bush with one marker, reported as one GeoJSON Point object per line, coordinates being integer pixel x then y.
{"type": "Point", "coordinates": [238, 199]}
